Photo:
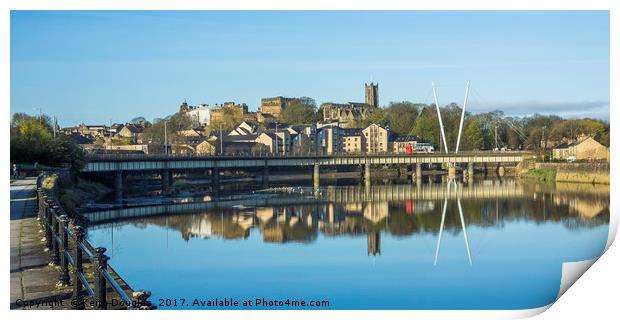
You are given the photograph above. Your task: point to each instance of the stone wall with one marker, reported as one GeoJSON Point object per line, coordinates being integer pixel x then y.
{"type": "Point", "coordinates": [596, 172]}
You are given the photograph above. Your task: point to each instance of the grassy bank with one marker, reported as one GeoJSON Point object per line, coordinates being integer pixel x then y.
{"type": "Point", "coordinates": [73, 192]}
{"type": "Point", "coordinates": [541, 175]}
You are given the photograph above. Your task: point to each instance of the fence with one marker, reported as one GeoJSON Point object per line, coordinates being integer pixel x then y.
{"type": "Point", "coordinates": [65, 239]}
{"type": "Point", "coordinates": [267, 155]}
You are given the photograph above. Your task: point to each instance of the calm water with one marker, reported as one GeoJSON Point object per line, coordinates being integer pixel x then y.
{"type": "Point", "coordinates": [377, 247]}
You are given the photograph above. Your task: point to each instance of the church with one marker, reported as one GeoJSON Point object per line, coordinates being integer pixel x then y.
{"type": "Point", "coordinates": [349, 113]}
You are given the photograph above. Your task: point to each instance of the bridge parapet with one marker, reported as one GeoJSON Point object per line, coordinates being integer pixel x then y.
{"type": "Point", "coordinates": [106, 163]}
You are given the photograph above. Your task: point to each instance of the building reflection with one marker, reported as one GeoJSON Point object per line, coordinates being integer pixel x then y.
{"type": "Point", "coordinates": [395, 211]}
{"type": "Point", "coordinates": [374, 243]}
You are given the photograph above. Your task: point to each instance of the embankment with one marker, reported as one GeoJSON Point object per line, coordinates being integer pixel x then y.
{"type": "Point", "coordinates": [567, 172]}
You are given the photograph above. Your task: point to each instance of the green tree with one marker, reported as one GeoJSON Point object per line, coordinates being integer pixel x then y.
{"type": "Point", "coordinates": [300, 111]}
{"type": "Point", "coordinates": [32, 141]}
{"type": "Point", "coordinates": [472, 138]}
{"type": "Point", "coordinates": [427, 126]}
{"type": "Point", "coordinates": [401, 117]}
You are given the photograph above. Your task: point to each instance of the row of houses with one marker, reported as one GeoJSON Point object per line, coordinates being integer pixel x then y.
{"type": "Point", "coordinates": [585, 148]}
{"type": "Point", "coordinates": [323, 137]}
{"type": "Point", "coordinates": [131, 131]}
{"type": "Point", "coordinates": [253, 137]}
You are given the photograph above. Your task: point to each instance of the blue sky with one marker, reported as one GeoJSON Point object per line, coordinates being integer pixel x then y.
{"type": "Point", "coordinates": [97, 67]}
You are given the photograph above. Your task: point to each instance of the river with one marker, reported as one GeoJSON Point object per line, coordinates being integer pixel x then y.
{"type": "Point", "coordinates": [490, 244]}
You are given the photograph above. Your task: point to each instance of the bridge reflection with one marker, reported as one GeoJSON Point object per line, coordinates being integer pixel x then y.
{"type": "Point", "coordinates": [371, 212]}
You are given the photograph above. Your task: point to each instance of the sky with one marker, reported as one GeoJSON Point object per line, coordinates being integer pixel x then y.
{"type": "Point", "coordinates": [99, 67]}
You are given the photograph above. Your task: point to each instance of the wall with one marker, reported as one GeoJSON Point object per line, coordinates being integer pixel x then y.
{"type": "Point", "coordinates": [596, 172]}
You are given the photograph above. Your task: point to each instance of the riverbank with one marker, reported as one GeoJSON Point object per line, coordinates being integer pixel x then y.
{"type": "Point", "coordinates": [73, 191]}
{"type": "Point", "coordinates": [596, 173]}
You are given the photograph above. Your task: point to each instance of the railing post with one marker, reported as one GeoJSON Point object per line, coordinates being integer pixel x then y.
{"type": "Point", "coordinates": [48, 223]}
{"type": "Point", "coordinates": [40, 206]}
{"type": "Point", "coordinates": [78, 294]}
{"type": "Point", "coordinates": [64, 262]}
{"type": "Point", "coordinates": [101, 265]}
{"type": "Point", "coordinates": [55, 257]}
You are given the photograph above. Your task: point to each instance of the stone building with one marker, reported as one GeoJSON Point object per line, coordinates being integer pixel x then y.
{"type": "Point", "coordinates": [274, 106]}
{"type": "Point", "coordinates": [352, 141]}
{"type": "Point", "coordinates": [131, 131]}
{"type": "Point", "coordinates": [376, 138]}
{"type": "Point", "coordinates": [348, 113]}
{"type": "Point", "coordinates": [208, 147]}
{"type": "Point", "coordinates": [371, 93]}
{"type": "Point", "coordinates": [585, 149]}
{"type": "Point", "coordinates": [93, 130]}
{"type": "Point", "coordinates": [236, 110]}
{"type": "Point", "coordinates": [275, 142]}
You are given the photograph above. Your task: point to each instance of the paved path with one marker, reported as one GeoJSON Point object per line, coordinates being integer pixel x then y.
{"type": "Point", "coordinates": [32, 279]}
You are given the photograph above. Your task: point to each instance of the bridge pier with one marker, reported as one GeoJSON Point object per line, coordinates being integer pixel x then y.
{"type": "Point", "coordinates": [416, 175]}
{"type": "Point", "coordinates": [367, 172]}
{"type": "Point", "coordinates": [265, 176]}
{"type": "Point", "coordinates": [118, 184]}
{"type": "Point", "coordinates": [215, 180]}
{"type": "Point", "coordinates": [501, 170]}
{"type": "Point", "coordinates": [166, 179]}
{"type": "Point", "coordinates": [451, 170]}
{"type": "Point", "coordinates": [470, 173]}
{"type": "Point", "coordinates": [316, 175]}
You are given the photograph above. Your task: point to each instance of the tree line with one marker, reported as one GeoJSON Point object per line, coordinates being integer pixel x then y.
{"type": "Point", "coordinates": [33, 141]}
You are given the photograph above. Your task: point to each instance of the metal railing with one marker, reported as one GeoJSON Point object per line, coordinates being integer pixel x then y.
{"type": "Point", "coordinates": [65, 240]}
{"type": "Point", "coordinates": [291, 154]}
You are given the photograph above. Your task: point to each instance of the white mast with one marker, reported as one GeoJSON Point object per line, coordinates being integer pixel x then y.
{"type": "Point", "coordinates": [443, 135]}
{"type": "Point", "coordinates": [458, 140]}
{"type": "Point", "coordinates": [464, 230]}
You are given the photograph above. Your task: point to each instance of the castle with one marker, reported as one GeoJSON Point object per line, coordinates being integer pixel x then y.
{"type": "Point", "coordinates": [349, 113]}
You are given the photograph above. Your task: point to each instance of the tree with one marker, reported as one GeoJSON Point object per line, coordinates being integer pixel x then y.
{"type": "Point", "coordinates": [303, 144]}
{"type": "Point", "coordinates": [230, 118]}
{"type": "Point", "coordinates": [32, 141]}
{"type": "Point", "coordinates": [401, 117]}
{"type": "Point", "coordinates": [300, 111]}
{"type": "Point", "coordinates": [427, 126]}
{"type": "Point", "coordinates": [472, 138]}
{"type": "Point", "coordinates": [140, 121]}
{"type": "Point", "coordinates": [169, 126]}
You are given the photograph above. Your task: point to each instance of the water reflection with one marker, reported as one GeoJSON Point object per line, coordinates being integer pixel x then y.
{"type": "Point", "coordinates": [399, 210]}
{"type": "Point", "coordinates": [452, 185]}
{"type": "Point", "coordinates": [420, 242]}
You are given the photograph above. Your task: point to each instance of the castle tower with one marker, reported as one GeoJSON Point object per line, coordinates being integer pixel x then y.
{"type": "Point", "coordinates": [371, 92]}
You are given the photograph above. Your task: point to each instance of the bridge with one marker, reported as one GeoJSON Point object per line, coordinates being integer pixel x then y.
{"type": "Point", "coordinates": [120, 165]}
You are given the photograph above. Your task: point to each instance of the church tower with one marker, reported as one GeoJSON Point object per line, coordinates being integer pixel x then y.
{"type": "Point", "coordinates": [371, 92]}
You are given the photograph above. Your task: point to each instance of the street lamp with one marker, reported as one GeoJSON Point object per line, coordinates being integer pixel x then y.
{"type": "Point", "coordinates": [544, 141]}
{"type": "Point", "coordinates": [165, 137]}
{"type": "Point", "coordinates": [221, 141]}
{"type": "Point", "coordinates": [277, 147]}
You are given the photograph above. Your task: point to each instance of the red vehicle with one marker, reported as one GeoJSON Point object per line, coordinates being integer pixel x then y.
{"type": "Point", "coordinates": [409, 149]}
